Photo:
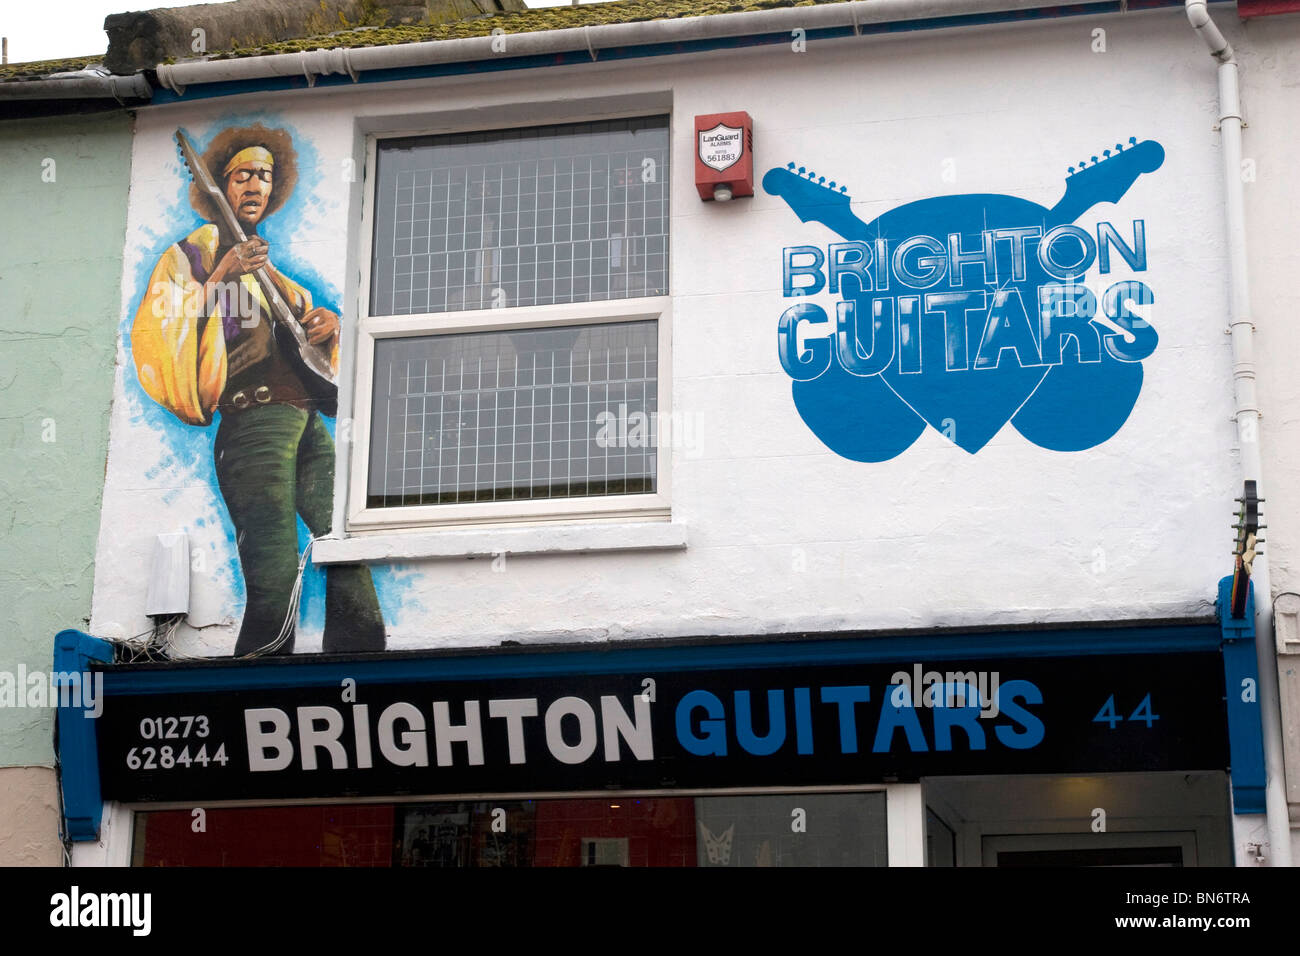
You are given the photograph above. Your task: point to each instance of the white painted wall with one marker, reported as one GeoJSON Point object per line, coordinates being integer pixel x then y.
{"type": "Point", "coordinates": [1135, 528]}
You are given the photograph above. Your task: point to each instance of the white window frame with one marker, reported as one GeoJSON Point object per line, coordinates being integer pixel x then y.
{"type": "Point", "coordinates": [904, 813]}
{"type": "Point", "coordinates": [361, 519]}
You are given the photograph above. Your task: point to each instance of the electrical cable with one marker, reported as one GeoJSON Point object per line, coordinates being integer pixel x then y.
{"type": "Point", "coordinates": [159, 642]}
{"type": "Point", "coordinates": [290, 625]}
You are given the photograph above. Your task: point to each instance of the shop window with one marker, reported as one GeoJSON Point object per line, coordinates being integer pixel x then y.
{"type": "Point", "coordinates": [768, 830]}
{"type": "Point", "coordinates": [512, 358]}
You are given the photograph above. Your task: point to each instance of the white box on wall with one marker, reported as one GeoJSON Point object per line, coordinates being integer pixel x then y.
{"type": "Point", "coordinates": [169, 577]}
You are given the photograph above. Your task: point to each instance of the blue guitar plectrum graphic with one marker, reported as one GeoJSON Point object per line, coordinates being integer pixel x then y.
{"type": "Point", "coordinates": [1080, 405]}
{"type": "Point", "coordinates": [858, 418]}
{"type": "Point", "coordinates": [951, 391]}
{"type": "Point", "coordinates": [1095, 402]}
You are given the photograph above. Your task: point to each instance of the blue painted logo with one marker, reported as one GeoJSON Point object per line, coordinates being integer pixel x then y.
{"type": "Point", "coordinates": [966, 312]}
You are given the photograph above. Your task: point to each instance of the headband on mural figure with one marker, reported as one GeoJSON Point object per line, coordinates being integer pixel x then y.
{"type": "Point", "coordinates": [253, 154]}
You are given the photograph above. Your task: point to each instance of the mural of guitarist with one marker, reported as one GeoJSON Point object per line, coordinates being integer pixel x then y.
{"type": "Point", "coordinates": [221, 333]}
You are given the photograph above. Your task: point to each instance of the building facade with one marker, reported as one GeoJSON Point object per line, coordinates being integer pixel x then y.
{"type": "Point", "coordinates": [487, 486]}
{"type": "Point", "coordinates": [66, 181]}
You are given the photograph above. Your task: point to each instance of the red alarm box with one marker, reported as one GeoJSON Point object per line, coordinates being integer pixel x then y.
{"type": "Point", "coordinates": [724, 156]}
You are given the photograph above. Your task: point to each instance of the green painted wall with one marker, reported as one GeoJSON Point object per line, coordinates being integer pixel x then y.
{"type": "Point", "coordinates": [60, 300]}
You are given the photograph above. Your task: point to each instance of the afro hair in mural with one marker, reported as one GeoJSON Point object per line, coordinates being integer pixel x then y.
{"type": "Point", "coordinates": [228, 143]}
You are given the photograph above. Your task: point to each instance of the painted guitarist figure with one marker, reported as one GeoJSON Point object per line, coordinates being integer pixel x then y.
{"type": "Point", "coordinates": [221, 334]}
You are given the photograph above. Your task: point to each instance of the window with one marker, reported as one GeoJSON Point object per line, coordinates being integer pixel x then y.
{"type": "Point", "coordinates": [622, 829]}
{"type": "Point", "coordinates": [513, 355]}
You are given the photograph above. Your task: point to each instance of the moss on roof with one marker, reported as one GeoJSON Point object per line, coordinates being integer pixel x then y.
{"type": "Point", "coordinates": [528, 21]}
{"type": "Point", "coordinates": [42, 68]}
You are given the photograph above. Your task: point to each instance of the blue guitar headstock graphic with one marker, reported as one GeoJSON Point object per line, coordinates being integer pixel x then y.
{"type": "Point", "coordinates": [1107, 179]}
{"type": "Point", "coordinates": [966, 312]}
{"type": "Point", "coordinates": [812, 200]}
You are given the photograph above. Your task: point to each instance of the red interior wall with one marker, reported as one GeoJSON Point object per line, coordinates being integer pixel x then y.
{"type": "Point", "coordinates": [660, 832]}
{"type": "Point", "coordinates": [271, 836]}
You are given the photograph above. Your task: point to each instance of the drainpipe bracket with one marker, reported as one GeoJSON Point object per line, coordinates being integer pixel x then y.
{"type": "Point", "coordinates": [347, 63]}
{"type": "Point", "coordinates": [164, 72]}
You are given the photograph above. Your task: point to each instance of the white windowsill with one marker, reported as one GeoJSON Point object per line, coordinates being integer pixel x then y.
{"type": "Point", "coordinates": [490, 542]}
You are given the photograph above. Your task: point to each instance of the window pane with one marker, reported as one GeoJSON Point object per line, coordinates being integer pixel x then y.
{"type": "Point", "coordinates": [535, 216]}
{"type": "Point", "coordinates": [496, 416]}
{"type": "Point", "coordinates": [843, 829]}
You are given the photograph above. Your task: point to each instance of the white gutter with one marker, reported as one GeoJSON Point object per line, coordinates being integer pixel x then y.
{"type": "Point", "coordinates": [588, 39]}
{"type": "Point", "coordinates": [84, 84]}
{"type": "Point", "coordinates": [1247, 415]}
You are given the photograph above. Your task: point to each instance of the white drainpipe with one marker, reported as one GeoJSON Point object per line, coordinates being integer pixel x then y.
{"type": "Point", "coordinates": [1247, 415]}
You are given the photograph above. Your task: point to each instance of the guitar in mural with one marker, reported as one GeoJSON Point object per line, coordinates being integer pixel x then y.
{"type": "Point", "coordinates": [1248, 545]}
{"type": "Point", "coordinates": [966, 312]}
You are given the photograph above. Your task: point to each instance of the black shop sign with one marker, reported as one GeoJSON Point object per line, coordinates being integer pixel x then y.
{"type": "Point", "coordinates": [667, 729]}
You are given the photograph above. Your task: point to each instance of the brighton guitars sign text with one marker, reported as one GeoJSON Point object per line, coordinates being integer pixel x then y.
{"type": "Point", "coordinates": [795, 726]}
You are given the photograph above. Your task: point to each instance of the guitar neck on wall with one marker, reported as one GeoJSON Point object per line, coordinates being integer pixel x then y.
{"type": "Point", "coordinates": [812, 199]}
{"type": "Point", "coordinates": [1248, 544]}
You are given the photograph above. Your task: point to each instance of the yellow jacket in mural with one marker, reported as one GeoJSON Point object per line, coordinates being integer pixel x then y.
{"type": "Point", "coordinates": [178, 342]}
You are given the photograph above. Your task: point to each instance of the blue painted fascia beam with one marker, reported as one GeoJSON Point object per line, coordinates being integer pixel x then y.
{"type": "Point", "coordinates": [1241, 681]}
{"type": "Point", "coordinates": [74, 652]}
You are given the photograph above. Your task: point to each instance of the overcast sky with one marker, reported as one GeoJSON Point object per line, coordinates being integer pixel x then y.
{"type": "Point", "coordinates": [51, 29]}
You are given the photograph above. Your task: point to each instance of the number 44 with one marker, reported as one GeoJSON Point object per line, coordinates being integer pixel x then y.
{"type": "Point", "coordinates": [1108, 715]}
